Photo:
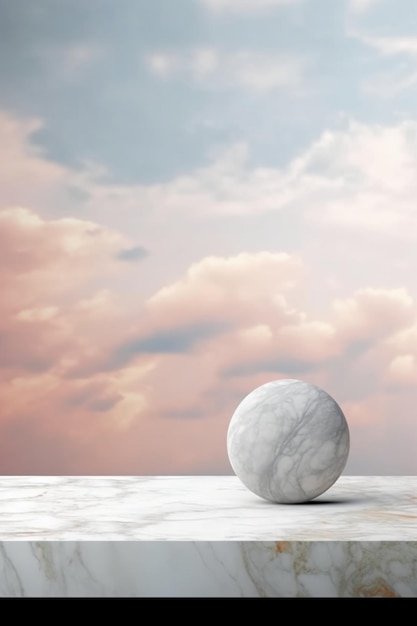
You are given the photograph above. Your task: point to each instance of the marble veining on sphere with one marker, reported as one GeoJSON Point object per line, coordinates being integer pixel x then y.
{"type": "Point", "coordinates": [288, 441]}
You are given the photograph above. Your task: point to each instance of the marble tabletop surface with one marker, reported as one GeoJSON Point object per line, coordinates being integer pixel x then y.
{"type": "Point", "coordinates": [202, 508]}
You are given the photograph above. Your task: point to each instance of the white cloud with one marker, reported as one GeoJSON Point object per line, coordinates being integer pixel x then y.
{"type": "Point", "coordinates": [402, 371]}
{"type": "Point", "coordinates": [244, 6]}
{"type": "Point", "coordinates": [256, 72]}
{"type": "Point", "coordinates": [205, 62]}
{"type": "Point", "coordinates": [72, 59]}
{"type": "Point", "coordinates": [357, 180]}
{"type": "Point", "coordinates": [359, 176]}
{"type": "Point", "coordinates": [22, 161]}
{"type": "Point", "coordinates": [392, 46]}
{"type": "Point", "coordinates": [260, 72]}
{"type": "Point", "coordinates": [389, 84]}
{"type": "Point", "coordinates": [81, 55]}
{"type": "Point", "coordinates": [161, 64]}
{"type": "Point", "coordinates": [358, 7]}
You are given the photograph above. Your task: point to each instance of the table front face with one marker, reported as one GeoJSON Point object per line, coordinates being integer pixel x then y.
{"type": "Point", "coordinates": [202, 508]}
{"type": "Point", "coordinates": [208, 569]}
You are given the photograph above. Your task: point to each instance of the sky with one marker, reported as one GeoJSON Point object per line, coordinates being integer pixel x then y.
{"type": "Point", "coordinates": [196, 198]}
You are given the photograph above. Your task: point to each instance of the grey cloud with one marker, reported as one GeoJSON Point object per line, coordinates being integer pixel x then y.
{"type": "Point", "coordinates": [137, 253]}
{"type": "Point", "coordinates": [93, 398]}
{"type": "Point", "coordinates": [185, 414]}
{"type": "Point", "coordinates": [101, 405]}
{"type": "Point", "coordinates": [176, 340]}
{"type": "Point", "coordinates": [291, 366]}
{"type": "Point", "coordinates": [172, 341]}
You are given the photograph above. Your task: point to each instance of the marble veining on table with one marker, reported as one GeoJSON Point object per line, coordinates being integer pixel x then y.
{"type": "Point", "coordinates": [208, 569]}
{"type": "Point", "coordinates": [203, 508]}
{"type": "Point", "coordinates": [205, 536]}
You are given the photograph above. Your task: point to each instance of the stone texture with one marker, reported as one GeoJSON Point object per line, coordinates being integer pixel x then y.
{"type": "Point", "coordinates": [204, 536]}
{"type": "Point", "coordinates": [288, 441]}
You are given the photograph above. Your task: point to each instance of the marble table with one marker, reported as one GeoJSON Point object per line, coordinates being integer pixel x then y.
{"type": "Point", "coordinates": [205, 536]}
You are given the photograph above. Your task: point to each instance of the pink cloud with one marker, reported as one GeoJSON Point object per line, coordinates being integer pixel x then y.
{"type": "Point", "coordinates": [22, 161]}
{"type": "Point", "coordinates": [94, 380]}
{"type": "Point", "coordinates": [165, 408]}
{"type": "Point", "coordinates": [374, 313]}
{"type": "Point", "coordinates": [51, 312]}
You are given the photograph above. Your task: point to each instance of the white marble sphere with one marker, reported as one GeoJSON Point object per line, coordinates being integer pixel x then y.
{"type": "Point", "coordinates": [288, 441]}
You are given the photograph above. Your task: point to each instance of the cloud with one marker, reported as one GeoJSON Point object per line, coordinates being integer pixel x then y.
{"type": "Point", "coordinates": [93, 396]}
{"type": "Point", "coordinates": [402, 371]}
{"type": "Point", "coordinates": [74, 60]}
{"type": "Point", "coordinates": [209, 301]}
{"type": "Point", "coordinates": [245, 7]}
{"type": "Point", "coordinates": [363, 176]}
{"type": "Point", "coordinates": [49, 188]}
{"type": "Point", "coordinates": [229, 303]}
{"type": "Point", "coordinates": [391, 46]}
{"type": "Point", "coordinates": [359, 7]}
{"type": "Point", "coordinates": [113, 384]}
{"type": "Point", "coordinates": [137, 253]}
{"type": "Point", "coordinates": [254, 282]}
{"type": "Point", "coordinates": [374, 313]}
{"type": "Point", "coordinates": [22, 161]}
{"type": "Point", "coordinates": [291, 367]}
{"type": "Point", "coordinates": [357, 177]}
{"type": "Point", "coordinates": [52, 311]}
{"type": "Point", "coordinates": [186, 358]}
{"type": "Point", "coordinates": [192, 413]}
{"type": "Point", "coordinates": [177, 340]}
{"type": "Point", "coordinates": [215, 69]}
{"type": "Point", "coordinates": [286, 341]}
{"type": "Point", "coordinates": [390, 83]}
{"type": "Point", "coordinates": [36, 254]}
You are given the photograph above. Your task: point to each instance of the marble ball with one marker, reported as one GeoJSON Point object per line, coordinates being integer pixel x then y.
{"type": "Point", "coordinates": [288, 441]}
